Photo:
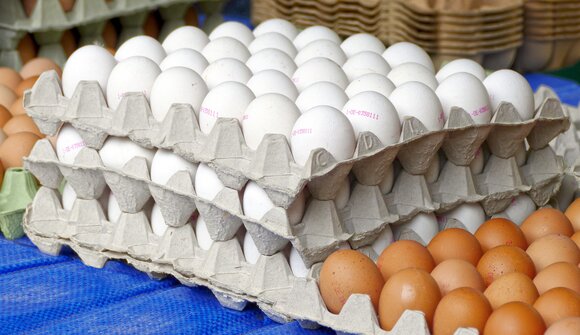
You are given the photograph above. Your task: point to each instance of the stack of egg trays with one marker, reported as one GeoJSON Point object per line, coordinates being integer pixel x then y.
{"type": "Point", "coordinates": [48, 21]}
{"type": "Point", "coordinates": [223, 268]}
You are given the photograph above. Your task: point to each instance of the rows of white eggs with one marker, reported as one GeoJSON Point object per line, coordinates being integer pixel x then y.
{"type": "Point", "coordinates": [307, 86]}
{"type": "Point", "coordinates": [272, 78]}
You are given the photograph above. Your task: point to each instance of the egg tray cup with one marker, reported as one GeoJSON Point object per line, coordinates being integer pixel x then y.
{"type": "Point", "coordinates": [269, 283]}
{"type": "Point", "coordinates": [48, 22]}
{"type": "Point", "coordinates": [18, 190]}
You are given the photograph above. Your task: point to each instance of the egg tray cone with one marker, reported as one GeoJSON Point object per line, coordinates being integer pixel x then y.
{"type": "Point", "coordinates": [269, 283]}
{"type": "Point", "coordinates": [48, 22]}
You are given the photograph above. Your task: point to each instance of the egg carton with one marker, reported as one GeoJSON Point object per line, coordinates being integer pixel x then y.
{"type": "Point", "coordinates": [18, 190]}
{"type": "Point", "coordinates": [269, 282]}
{"type": "Point", "coordinates": [48, 22]}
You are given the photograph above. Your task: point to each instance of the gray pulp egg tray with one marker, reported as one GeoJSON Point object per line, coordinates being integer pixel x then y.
{"type": "Point", "coordinates": [48, 21]}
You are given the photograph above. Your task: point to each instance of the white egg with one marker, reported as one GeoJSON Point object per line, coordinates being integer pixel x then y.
{"type": "Point", "coordinates": [386, 184]}
{"type": "Point", "coordinates": [414, 99]}
{"type": "Point", "coordinates": [363, 63]}
{"type": "Point", "coordinates": [370, 82]}
{"type": "Point", "coordinates": [520, 208]}
{"type": "Point", "coordinates": [321, 48]}
{"type": "Point", "coordinates": [225, 47]}
{"type": "Point", "coordinates": [186, 37]}
{"type": "Point", "coordinates": [270, 113]}
{"type": "Point", "coordinates": [343, 194]}
{"type": "Point", "coordinates": [142, 45]}
{"type": "Point", "coordinates": [91, 63]}
{"type": "Point", "coordinates": [371, 111]}
{"type": "Point", "coordinates": [322, 127]}
{"type": "Point", "coordinates": [256, 202]}
{"type": "Point", "coordinates": [176, 85]}
{"type": "Point", "coordinates": [117, 151]}
{"type": "Point", "coordinates": [207, 182]}
{"type": "Point", "coordinates": [227, 100]}
{"type": "Point", "coordinates": [322, 93]}
{"type": "Point", "coordinates": [226, 69]}
{"type": "Point", "coordinates": [271, 59]}
{"type": "Point", "coordinates": [166, 163]}
{"type": "Point", "coordinates": [470, 215]}
{"type": "Point", "coordinates": [272, 81]}
{"type": "Point", "coordinates": [477, 163]}
{"type": "Point", "coordinates": [521, 155]}
{"type": "Point", "coordinates": [362, 42]}
{"type": "Point", "coordinates": [251, 252]}
{"type": "Point", "coordinates": [408, 72]}
{"type": "Point", "coordinates": [280, 26]}
{"type": "Point", "coordinates": [464, 90]}
{"type": "Point", "coordinates": [405, 52]}
{"type": "Point", "coordinates": [510, 86]}
{"type": "Point", "coordinates": [273, 41]}
{"type": "Point", "coordinates": [204, 240]}
{"type": "Point", "coordinates": [385, 239]}
{"type": "Point", "coordinates": [234, 30]}
{"type": "Point", "coordinates": [133, 74]}
{"type": "Point", "coordinates": [314, 33]}
{"type": "Point", "coordinates": [317, 70]}
{"type": "Point", "coordinates": [188, 58]}
{"type": "Point", "coordinates": [423, 224]}
{"type": "Point", "coordinates": [68, 197]}
{"type": "Point", "coordinates": [433, 171]}
{"type": "Point", "coordinates": [68, 144]}
{"type": "Point", "coordinates": [158, 225]}
{"type": "Point", "coordinates": [297, 264]}
{"type": "Point", "coordinates": [461, 65]}
{"type": "Point", "coordinates": [113, 209]}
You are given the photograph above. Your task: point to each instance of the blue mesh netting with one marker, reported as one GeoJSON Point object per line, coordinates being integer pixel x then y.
{"type": "Point", "coordinates": [41, 294]}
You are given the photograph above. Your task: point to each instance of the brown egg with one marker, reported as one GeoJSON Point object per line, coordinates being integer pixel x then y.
{"type": "Point", "coordinates": [552, 249]}
{"type": "Point", "coordinates": [37, 66]}
{"type": "Point", "coordinates": [404, 254]}
{"type": "Point", "coordinates": [15, 147]}
{"type": "Point", "coordinates": [68, 42]}
{"type": "Point", "coordinates": [109, 35]}
{"type": "Point", "coordinates": [456, 273]}
{"type": "Point", "coordinates": [26, 84]}
{"type": "Point", "coordinates": [504, 259]}
{"type": "Point", "coordinates": [573, 214]}
{"type": "Point", "coordinates": [26, 49]}
{"type": "Point", "coordinates": [500, 231]}
{"type": "Point", "coordinates": [17, 107]}
{"type": "Point", "coordinates": [576, 238]}
{"type": "Point", "coordinates": [546, 221]}
{"type": "Point", "coordinates": [191, 18]}
{"type": "Point", "coordinates": [7, 97]}
{"type": "Point", "coordinates": [412, 289]}
{"type": "Point", "coordinates": [462, 307]}
{"type": "Point", "coordinates": [9, 78]}
{"type": "Point", "coordinates": [347, 272]}
{"type": "Point", "coordinates": [515, 318]}
{"type": "Point", "coordinates": [151, 26]}
{"type": "Point", "coordinates": [557, 304]}
{"type": "Point", "coordinates": [67, 5]}
{"type": "Point", "coordinates": [559, 274]}
{"type": "Point", "coordinates": [5, 116]}
{"type": "Point", "coordinates": [455, 243]}
{"type": "Point", "coordinates": [510, 287]}
{"type": "Point", "coordinates": [567, 326]}
{"type": "Point", "coordinates": [20, 123]}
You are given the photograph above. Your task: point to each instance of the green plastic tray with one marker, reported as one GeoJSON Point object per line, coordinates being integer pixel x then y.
{"type": "Point", "coordinates": [18, 190]}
